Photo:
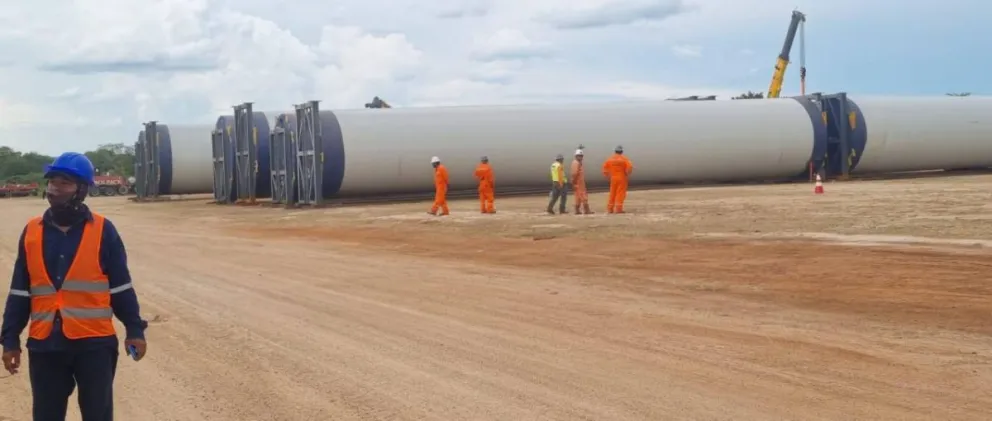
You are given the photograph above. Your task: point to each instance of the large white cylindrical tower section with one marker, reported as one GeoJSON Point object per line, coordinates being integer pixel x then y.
{"type": "Point", "coordinates": [389, 151]}
{"type": "Point", "coordinates": [191, 159]}
{"type": "Point", "coordinates": [926, 133]}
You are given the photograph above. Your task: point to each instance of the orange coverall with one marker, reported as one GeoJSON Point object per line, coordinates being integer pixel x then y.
{"type": "Point", "coordinates": [578, 174]}
{"type": "Point", "coordinates": [617, 168]}
{"type": "Point", "coordinates": [440, 190]}
{"type": "Point", "coordinates": [487, 187]}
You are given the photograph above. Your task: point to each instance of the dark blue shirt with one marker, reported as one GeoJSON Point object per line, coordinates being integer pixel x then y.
{"type": "Point", "coordinates": [59, 251]}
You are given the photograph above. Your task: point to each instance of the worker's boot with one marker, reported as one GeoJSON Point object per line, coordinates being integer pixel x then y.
{"type": "Point", "coordinates": [432, 212]}
{"type": "Point", "coordinates": [585, 209]}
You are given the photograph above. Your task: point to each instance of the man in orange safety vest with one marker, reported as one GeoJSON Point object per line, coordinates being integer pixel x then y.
{"type": "Point", "coordinates": [70, 279]}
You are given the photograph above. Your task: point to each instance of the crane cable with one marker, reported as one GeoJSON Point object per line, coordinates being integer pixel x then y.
{"type": "Point", "coordinates": [802, 57]}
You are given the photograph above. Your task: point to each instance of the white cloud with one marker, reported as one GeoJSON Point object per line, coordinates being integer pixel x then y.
{"type": "Point", "coordinates": [687, 50]}
{"type": "Point", "coordinates": [455, 9]}
{"type": "Point", "coordinates": [103, 66]}
{"type": "Point", "coordinates": [23, 115]}
{"type": "Point", "coordinates": [13, 114]}
{"type": "Point", "coordinates": [605, 13]}
{"type": "Point", "coordinates": [549, 86]}
{"type": "Point", "coordinates": [499, 71]}
{"type": "Point", "coordinates": [509, 44]}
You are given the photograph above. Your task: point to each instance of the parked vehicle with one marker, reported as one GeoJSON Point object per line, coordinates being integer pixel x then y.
{"type": "Point", "coordinates": [110, 185]}
{"type": "Point", "coordinates": [11, 189]}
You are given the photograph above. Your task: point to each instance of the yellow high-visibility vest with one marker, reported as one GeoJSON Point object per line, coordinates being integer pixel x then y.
{"type": "Point", "coordinates": [556, 172]}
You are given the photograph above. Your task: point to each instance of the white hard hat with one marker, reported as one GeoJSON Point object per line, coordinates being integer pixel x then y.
{"type": "Point", "coordinates": [435, 160]}
{"type": "Point", "coordinates": [578, 152]}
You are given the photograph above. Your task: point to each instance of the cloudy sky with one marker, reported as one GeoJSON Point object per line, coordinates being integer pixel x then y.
{"type": "Point", "coordinates": [75, 74]}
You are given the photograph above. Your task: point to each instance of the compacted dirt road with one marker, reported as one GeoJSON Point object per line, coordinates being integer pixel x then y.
{"type": "Point", "coordinates": [871, 302]}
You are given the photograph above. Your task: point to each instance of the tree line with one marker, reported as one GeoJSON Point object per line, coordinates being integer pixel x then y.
{"type": "Point", "coordinates": [28, 167]}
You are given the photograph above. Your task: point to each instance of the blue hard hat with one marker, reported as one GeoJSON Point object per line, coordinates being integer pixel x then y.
{"type": "Point", "coordinates": [73, 164]}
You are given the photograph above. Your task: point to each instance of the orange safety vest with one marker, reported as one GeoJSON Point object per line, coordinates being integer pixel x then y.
{"type": "Point", "coordinates": [83, 300]}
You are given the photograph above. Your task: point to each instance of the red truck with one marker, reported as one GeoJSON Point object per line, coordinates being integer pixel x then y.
{"type": "Point", "coordinates": [11, 189]}
{"type": "Point", "coordinates": [106, 185]}
{"type": "Point", "coordinates": [110, 185]}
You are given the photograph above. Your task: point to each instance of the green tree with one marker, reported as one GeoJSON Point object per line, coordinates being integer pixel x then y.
{"type": "Point", "coordinates": [115, 158]}
{"type": "Point", "coordinates": [21, 167]}
{"type": "Point", "coordinates": [750, 95]}
{"type": "Point", "coordinates": [16, 166]}
{"type": "Point", "coordinates": [959, 94]}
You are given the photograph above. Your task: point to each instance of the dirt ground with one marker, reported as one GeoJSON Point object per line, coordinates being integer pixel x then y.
{"type": "Point", "coordinates": [870, 302]}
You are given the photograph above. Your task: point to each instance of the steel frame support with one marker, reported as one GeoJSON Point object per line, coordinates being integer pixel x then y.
{"type": "Point", "coordinates": [246, 151]}
{"type": "Point", "coordinates": [153, 170]}
{"type": "Point", "coordinates": [309, 154]}
{"type": "Point", "coordinates": [139, 168]}
{"type": "Point", "coordinates": [841, 110]}
{"type": "Point", "coordinates": [221, 193]}
{"type": "Point", "coordinates": [282, 158]}
{"type": "Point", "coordinates": [837, 116]}
{"type": "Point", "coordinates": [277, 139]}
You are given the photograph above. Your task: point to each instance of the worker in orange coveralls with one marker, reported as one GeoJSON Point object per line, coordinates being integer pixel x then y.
{"type": "Point", "coordinates": [578, 175]}
{"type": "Point", "coordinates": [617, 169]}
{"type": "Point", "coordinates": [440, 188]}
{"type": "Point", "coordinates": [487, 186]}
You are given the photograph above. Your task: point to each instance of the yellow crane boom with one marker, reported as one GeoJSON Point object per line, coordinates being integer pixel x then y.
{"type": "Point", "coordinates": [775, 88]}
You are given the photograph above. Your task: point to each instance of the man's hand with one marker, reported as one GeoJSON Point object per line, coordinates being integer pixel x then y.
{"type": "Point", "coordinates": [12, 361]}
{"type": "Point", "coordinates": [140, 346]}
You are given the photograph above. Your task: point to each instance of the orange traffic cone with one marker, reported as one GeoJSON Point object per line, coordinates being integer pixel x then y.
{"type": "Point", "coordinates": [818, 189]}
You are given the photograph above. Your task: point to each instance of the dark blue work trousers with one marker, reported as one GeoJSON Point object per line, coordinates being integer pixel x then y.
{"type": "Point", "coordinates": [54, 375]}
